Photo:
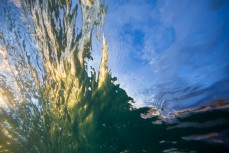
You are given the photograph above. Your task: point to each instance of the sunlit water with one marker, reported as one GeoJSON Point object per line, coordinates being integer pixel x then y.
{"type": "Point", "coordinates": [76, 77]}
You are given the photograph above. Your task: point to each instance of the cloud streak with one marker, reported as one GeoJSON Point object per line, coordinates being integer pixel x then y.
{"type": "Point", "coordinates": [167, 46]}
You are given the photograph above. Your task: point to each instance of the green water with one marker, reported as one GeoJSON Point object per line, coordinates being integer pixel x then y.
{"type": "Point", "coordinates": [53, 102]}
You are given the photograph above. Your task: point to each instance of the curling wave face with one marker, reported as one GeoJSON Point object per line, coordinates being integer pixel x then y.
{"type": "Point", "coordinates": [51, 100]}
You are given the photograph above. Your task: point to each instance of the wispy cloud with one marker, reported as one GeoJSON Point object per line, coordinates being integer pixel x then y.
{"type": "Point", "coordinates": [167, 45]}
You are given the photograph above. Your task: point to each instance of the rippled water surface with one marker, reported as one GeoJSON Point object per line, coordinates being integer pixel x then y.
{"type": "Point", "coordinates": [92, 76]}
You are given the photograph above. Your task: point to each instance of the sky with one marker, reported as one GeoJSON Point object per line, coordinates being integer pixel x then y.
{"type": "Point", "coordinates": [168, 51]}
{"type": "Point", "coordinates": [168, 54]}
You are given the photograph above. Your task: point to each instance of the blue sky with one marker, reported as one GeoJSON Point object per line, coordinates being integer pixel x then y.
{"type": "Point", "coordinates": [166, 46]}
{"type": "Point", "coordinates": [167, 53]}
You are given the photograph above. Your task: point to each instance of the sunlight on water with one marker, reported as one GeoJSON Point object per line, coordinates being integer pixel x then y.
{"type": "Point", "coordinates": [53, 98]}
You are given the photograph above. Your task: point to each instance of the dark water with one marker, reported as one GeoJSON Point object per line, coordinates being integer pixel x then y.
{"type": "Point", "coordinates": [53, 101]}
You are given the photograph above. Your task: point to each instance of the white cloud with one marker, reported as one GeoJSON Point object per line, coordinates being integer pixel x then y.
{"type": "Point", "coordinates": [178, 49]}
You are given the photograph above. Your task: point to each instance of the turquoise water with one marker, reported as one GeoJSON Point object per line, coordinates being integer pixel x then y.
{"type": "Point", "coordinates": [55, 99]}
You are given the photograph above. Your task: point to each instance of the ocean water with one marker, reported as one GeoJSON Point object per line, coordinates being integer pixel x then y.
{"type": "Point", "coordinates": [67, 87]}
